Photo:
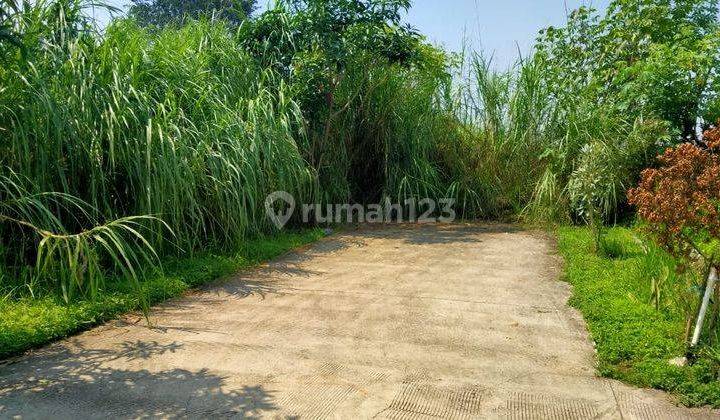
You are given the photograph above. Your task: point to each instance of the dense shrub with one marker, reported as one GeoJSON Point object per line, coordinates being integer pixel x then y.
{"type": "Point", "coordinates": [640, 58]}
{"type": "Point", "coordinates": [680, 203]}
{"type": "Point", "coordinates": [680, 200]}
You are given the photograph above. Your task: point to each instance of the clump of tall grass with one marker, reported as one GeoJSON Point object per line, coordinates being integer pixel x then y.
{"type": "Point", "coordinates": [178, 123]}
{"type": "Point", "coordinates": [538, 156]}
{"type": "Point", "coordinates": [73, 263]}
{"type": "Point", "coordinates": [509, 117]}
{"type": "Point", "coordinates": [181, 124]}
{"type": "Point", "coordinates": [384, 141]}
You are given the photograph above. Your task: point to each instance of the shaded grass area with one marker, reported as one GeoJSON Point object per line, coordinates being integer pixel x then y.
{"type": "Point", "coordinates": [28, 323]}
{"type": "Point", "coordinates": [634, 340]}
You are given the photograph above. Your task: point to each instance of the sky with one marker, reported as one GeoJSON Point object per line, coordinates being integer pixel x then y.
{"type": "Point", "coordinates": [503, 28]}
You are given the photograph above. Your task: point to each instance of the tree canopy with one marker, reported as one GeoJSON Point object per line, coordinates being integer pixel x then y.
{"type": "Point", "coordinates": [642, 56]}
{"type": "Point", "coordinates": [165, 12]}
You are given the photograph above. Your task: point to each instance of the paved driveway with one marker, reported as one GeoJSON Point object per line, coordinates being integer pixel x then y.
{"type": "Point", "coordinates": [463, 321]}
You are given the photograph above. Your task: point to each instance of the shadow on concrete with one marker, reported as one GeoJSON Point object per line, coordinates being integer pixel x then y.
{"type": "Point", "coordinates": [431, 234]}
{"type": "Point", "coordinates": [144, 350]}
{"type": "Point", "coordinates": [450, 234]}
{"type": "Point", "coordinates": [241, 286]}
{"type": "Point", "coordinates": [330, 245]}
{"type": "Point", "coordinates": [275, 274]}
{"type": "Point", "coordinates": [86, 383]}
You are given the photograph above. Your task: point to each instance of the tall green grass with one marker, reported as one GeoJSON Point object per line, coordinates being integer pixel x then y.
{"type": "Point", "coordinates": [70, 262]}
{"type": "Point", "coordinates": [180, 124]}
{"type": "Point", "coordinates": [529, 148]}
{"type": "Point", "coordinates": [187, 128]}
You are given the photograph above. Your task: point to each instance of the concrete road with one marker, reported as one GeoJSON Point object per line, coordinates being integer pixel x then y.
{"type": "Point", "coordinates": [465, 321]}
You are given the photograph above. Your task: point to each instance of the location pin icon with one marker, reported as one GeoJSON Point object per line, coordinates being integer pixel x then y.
{"type": "Point", "coordinates": [278, 217]}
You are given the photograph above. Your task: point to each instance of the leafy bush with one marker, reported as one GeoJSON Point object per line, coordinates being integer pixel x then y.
{"type": "Point", "coordinates": [680, 200]}
{"type": "Point", "coordinates": [642, 57]}
{"type": "Point", "coordinates": [605, 171]}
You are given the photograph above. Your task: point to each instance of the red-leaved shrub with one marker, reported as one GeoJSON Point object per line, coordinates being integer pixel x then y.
{"type": "Point", "coordinates": [680, 200]}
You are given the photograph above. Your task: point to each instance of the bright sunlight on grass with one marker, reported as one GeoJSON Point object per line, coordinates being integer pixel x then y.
{"type": "Point", "coordinates": [635, 340]}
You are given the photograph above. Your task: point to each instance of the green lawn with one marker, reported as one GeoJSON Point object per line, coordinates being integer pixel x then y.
{"type": "Point", "coordinates": [634, 340]}
{"type": "Point", "coordinates": [29, 323]}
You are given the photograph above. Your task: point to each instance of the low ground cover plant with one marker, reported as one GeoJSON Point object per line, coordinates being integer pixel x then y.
{"type": "Point", "coordinates": [637, 307]}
